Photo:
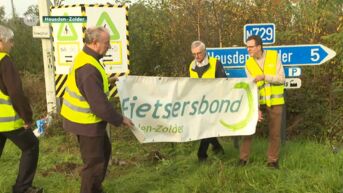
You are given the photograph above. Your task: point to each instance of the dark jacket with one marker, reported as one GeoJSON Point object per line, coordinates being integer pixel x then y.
{"type": "Point", "coordinates": [220, 72]}
{"type": "Point", "coordinates": [10, 84]}
{"type": "Point", "coordinates": [90, 84]}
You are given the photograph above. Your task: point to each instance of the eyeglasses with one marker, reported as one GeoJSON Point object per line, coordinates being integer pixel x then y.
{"type": "Point", "coordinates": [251, 46]}
{"type": "Point", "coordinates": [197, 53]}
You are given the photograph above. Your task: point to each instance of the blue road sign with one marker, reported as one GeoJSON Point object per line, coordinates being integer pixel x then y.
{"type": "Point", "coordinates": [235, 72]}
{"type": "Point", "coordinates": [293, 55]}
{"type": "Point", "coordinates": [292, 72]}
{"type": "Point", "coordinates": [240, 72]}
{"type": "Point", "coordinates": [265, 30]}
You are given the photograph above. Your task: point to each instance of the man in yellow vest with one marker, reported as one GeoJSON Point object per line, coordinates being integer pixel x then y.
{"type": "Point", "coordinates": [86, 109]}
{"type": "Point", "coordinates": [266, 69]}
{"type": "Point", "coordinates": [204, 66]}
{"type": "Point", "coordinates": [16, 117]}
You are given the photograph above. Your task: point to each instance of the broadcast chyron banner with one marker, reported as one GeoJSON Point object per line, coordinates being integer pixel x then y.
{"type": "Point", "coordinates": [166, 109]}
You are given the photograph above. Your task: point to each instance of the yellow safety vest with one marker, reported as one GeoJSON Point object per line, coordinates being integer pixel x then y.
{"type": "Point", "coordinates": [210, 72]}
{"type": "Point", "coordinates": [270, 94]}
{"type": "Point", "coordinates": [9, 119]}
{"type": "Point", "coordinates": [75, 108]}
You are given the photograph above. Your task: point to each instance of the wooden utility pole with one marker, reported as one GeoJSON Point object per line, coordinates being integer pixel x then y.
{"type": "Point", "coordinates": [218, 22]}
{"type": "Point", "coordinates": [49, 72]}
{"type": "Point", "coordinates": [13, 9]}
{"type": "Point", "coordinates": [198, 18]}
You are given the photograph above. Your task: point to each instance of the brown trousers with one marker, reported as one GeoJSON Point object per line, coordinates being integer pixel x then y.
{"type": "Point", "coordinates": [274, 116]}
{"type": "Point", "coordinates": [95, 154]}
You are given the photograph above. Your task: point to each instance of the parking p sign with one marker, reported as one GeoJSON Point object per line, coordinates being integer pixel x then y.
{"type": "Point", "coordinates": [265, 30]}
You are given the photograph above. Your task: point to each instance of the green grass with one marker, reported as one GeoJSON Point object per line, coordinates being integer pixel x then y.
{"type": "Point", "coordinates": [305, 166]}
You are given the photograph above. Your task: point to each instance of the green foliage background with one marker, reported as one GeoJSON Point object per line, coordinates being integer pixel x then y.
{"type": "Point", "coordinates": [161, 33]}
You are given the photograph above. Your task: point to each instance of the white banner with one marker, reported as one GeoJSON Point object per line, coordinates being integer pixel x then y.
{"type": "Point", "coordinates": [178, 109]}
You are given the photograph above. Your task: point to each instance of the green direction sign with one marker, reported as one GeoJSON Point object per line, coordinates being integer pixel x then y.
{"type": "Point", "coordinates": [66, 32]}
{"type": "Point", "coordinates": [105, 21]}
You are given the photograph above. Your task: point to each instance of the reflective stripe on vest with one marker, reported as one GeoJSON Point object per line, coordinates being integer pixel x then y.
{"type": "Point", "coordinates": [75, 107]}
{"type": "Point", "coordinates": [74, 94]}
{"type": "Point", "coordinates": [271, 97]}
{"type": "Point", "coordinates": [209, 73]}
{"type": "Point", "coordinates": [5, 102]}
{"type": "Point", "coordinates": [270, 94]}
{"type": "Point", "coordinates": [9, 119]}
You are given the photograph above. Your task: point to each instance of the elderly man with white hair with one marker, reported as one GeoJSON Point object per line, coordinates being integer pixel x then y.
{"type": "Point", "coordinates": [204, 66]}
{"type": "Point", "coordinates": [86, 109]}
{"type": "Point", "coordinates": [16, 117]}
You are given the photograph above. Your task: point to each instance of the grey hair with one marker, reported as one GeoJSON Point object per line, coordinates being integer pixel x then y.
{"type": "Point", "coordinates": [5, 33]}
{"type": "Point", "coordinates": [93, 34]}
{"type": "Point", "coordinates": [198, 43]}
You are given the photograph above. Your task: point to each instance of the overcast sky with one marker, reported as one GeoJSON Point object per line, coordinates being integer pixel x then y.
{"type": "Point", "coordinates": [22, 5]}
{"type": "Point", "coordinates": [19, 5]}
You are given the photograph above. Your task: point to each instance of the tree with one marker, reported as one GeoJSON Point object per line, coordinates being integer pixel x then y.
{"type": "Point", "coordinates": [27, 51]}
{"type": "Point", "coordinates": [2, 14]}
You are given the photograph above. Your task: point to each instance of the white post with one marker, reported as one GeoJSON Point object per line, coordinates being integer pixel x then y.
{"type": "Point", "coordinates": [49, 74]}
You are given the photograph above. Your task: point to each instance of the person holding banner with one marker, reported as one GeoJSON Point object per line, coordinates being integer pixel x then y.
{"type": "Point", "coordinates": [86, 109]}
{"type": "Point", "coordinates": [204, 66]}
{"type": "Point", "coordinates": [16, 117]}
{"type": "Point", "coordinates": [265, 67]}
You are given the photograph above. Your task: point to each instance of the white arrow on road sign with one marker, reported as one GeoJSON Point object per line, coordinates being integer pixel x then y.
{"type": "Point", "coordinates": [292, 55]}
